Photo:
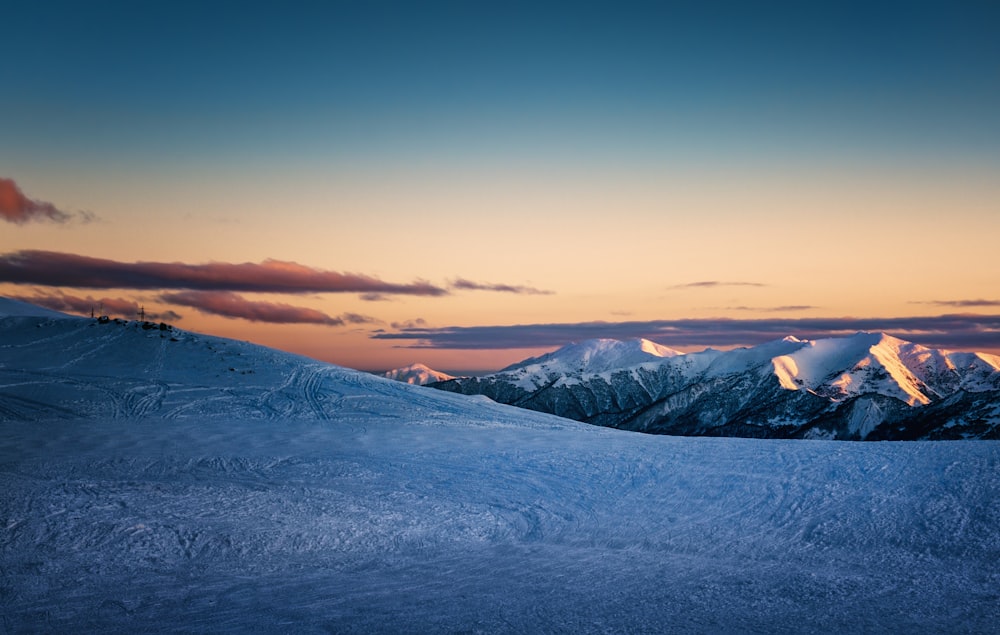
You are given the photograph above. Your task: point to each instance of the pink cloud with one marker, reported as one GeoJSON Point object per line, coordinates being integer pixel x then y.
{"type": "Point", "coordinates": [232, 305]}
{"type": "Point", "coordinates": [270, 276]}
{"type": "Point", "coordinates": [17, 208]}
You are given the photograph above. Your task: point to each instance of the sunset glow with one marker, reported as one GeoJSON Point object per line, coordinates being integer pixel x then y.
{"type": "Point", "coordinates": [468, 184]}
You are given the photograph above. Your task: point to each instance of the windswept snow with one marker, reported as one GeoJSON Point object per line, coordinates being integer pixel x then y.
{"type": "Point", "coordinates": [169, 481]}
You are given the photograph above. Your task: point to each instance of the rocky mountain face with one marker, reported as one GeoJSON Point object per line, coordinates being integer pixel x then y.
{"type": "Point", "coordinates": [868, 386]}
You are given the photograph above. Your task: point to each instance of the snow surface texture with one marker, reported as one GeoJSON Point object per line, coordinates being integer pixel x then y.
{"type": "Point", "coordinates": [865, 386]}
{"type": "Point", "coordinates": [417, 374]}
{"type": "Point", "coordinates": [205, 485]}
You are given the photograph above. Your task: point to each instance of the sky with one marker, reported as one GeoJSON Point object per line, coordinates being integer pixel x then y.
{"type": "Point", "coordinates": [466, 184]}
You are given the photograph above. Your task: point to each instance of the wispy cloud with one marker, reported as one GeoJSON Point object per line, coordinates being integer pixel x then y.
{"type": "Point", "coordinates": [270, 276]}
{"type": "Point", "coordinates": [410, 324]}
{"type": "Point", "coordinates": [948, 331]}
{"type": "Point", "coordinates": [232, 305]}
{"type": "Point", "coordinates": [961, 303]}
{"type": "Point", "coordinates": [116, 307]}
{"type": "Point", "coordinates": [709, 284]}
{"type": "Point", "coordinates": [17, 208]}
{"type": "Point", "coordinates": [469, 285]}
{"type": "Point", "coordinates": [773, 309]}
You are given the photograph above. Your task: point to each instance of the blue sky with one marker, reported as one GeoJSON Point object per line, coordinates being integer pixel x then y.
{"type": "Point", "coordinates": [345, 77]}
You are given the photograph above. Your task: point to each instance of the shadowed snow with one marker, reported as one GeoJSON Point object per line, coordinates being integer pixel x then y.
{"type": "Point", "coordinates": [165, 480]}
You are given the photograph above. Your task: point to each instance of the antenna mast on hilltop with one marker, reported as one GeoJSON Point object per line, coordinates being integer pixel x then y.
{"type": "Point", "coordinates": [142, 314]}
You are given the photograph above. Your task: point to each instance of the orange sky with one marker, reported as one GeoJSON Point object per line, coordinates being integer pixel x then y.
{"type": "Point", "coordinates": [614, 248]}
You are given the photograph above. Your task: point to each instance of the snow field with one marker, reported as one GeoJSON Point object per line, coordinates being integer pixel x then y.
{"type": "Point", "coordinates": [403, 526]}
{"type": "Point", "coordinates": [155, 481]}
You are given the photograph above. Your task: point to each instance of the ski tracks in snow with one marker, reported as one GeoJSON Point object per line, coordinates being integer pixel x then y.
{"type": "Point", "coordinates": [531, 529]}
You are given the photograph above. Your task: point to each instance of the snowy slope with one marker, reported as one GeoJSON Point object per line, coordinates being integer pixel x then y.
{"type": "Point", "coordinates": [16, 308]}
{"type": "Point", "coordinates": [71, 367]}
{"type": "Point", "coordinates": [169, 481]}
{"type": "Point", "coordinates": [868, 385]}
{"type": "Point", "coordinates": [417, 374]}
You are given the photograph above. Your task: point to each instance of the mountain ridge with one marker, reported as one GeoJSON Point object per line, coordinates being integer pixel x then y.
{"type": "Point", "coordinates": [865, 385]}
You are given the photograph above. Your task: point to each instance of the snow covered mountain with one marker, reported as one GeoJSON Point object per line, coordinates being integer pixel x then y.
{"type": "Point", "coordinates": [592, 356]}
{"type": "Point", "coordinates": [417, 374]}
{"type": "Point", "coordinates": [865, 386]}
{"type": "Point", "coordinates": [158, 480]}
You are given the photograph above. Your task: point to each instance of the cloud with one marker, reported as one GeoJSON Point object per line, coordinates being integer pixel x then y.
{"type": "Point", "coordinates": [709, 284]}
{"type": "Point", "coordinates": [947, 331]}
{"type": "Point", "coordinates": [961, 303]}
{"type": "Point", "coordinates": [232, 305]}
{"type": "Point", "coordinates": [116, 307]}
{"type": "Point", "coordinates": [270, 276]}
{"type": "Point", "coordinates": [773, 309]}
{"type": "Point", "coordinates": [57, 269]}
{"type": "Point", "coordinates": [410, 324]}
{"type": "Point", "coordinates": [17, 208]}
{"type": "Point", "coordinates": [357, 318]}
{"type": "Point", "coordinates": [167, 315]}
{"type": "Point", "coordinates": [468, 285]}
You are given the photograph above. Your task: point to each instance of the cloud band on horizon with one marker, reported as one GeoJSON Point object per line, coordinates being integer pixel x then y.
{"type": "Point", "coordinates": [961, 331]}
{"type": "Point", "coordinates": [962, 303]}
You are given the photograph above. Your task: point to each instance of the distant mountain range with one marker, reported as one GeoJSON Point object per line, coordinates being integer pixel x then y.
{"type": "Point", "coordinates": [867, 386]}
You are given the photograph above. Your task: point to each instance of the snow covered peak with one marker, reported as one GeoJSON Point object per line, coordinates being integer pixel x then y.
{"type": "Point", "coordinates": [16, 308]}
{"type": "Point", "coordinates": [842, 367]}
{"type": "Point", "coordinates": [417, 374]}
{"type": "Point", "coordinates": [740, 360]}
{"type": "Point", "coordinates": [658, 350]}
{"type": "Point", "coordinates": [597, 356]}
